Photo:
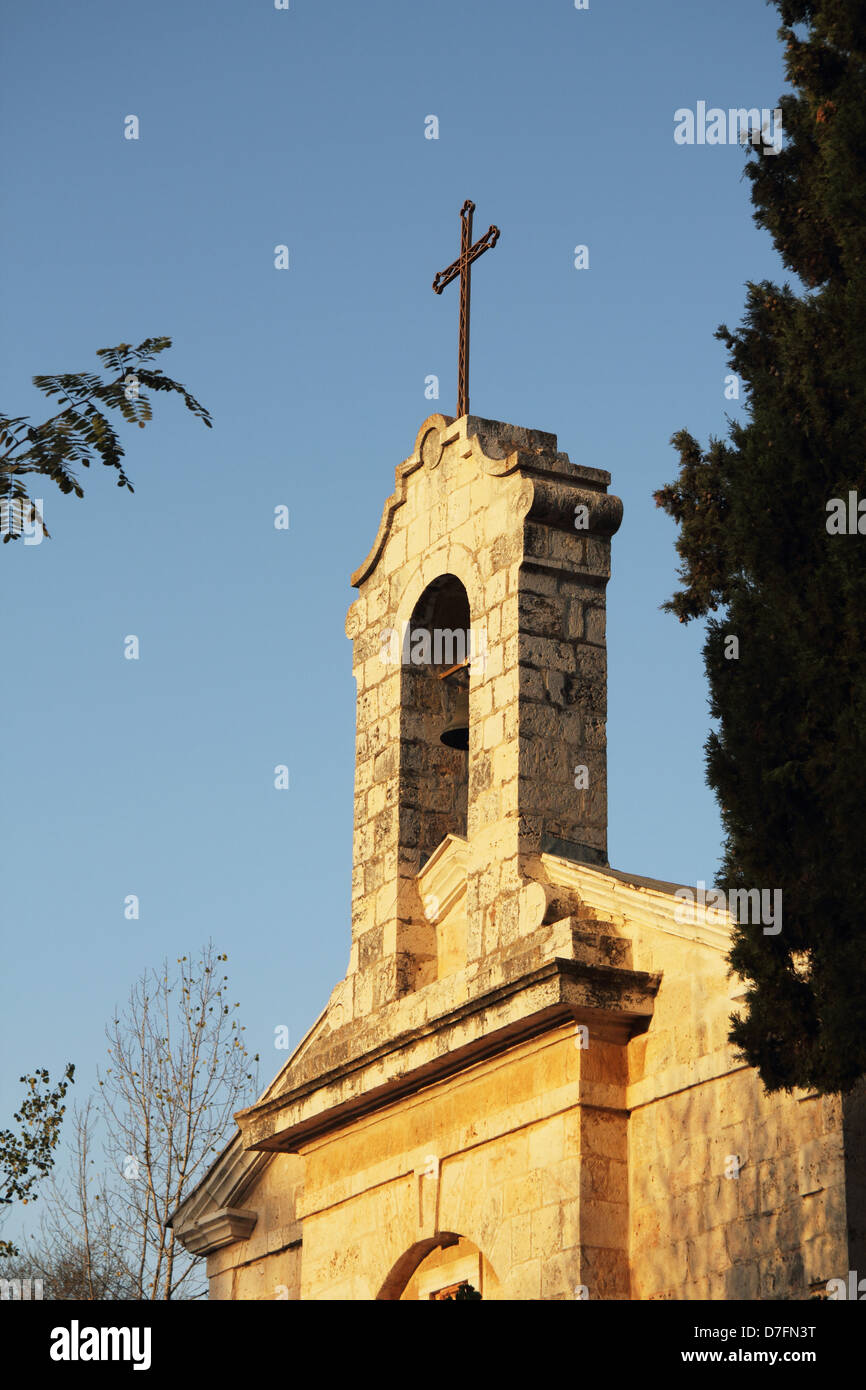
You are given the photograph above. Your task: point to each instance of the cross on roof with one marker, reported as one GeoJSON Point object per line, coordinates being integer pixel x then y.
{"type": "Point", "coordinates": [461, 267]}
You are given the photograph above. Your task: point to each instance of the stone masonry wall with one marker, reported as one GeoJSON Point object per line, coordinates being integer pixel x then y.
{"type": "Point", "coordinates": [524, 1173]}
{"type": "Point", "coordinates": [778, 1229]}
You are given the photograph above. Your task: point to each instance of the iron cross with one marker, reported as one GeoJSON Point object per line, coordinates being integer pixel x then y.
{"type": "Point", "coordinates": [461, 267]}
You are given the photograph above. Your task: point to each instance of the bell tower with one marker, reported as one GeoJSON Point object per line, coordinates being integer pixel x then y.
{"type": "Point", "coordinates": [479, 656]}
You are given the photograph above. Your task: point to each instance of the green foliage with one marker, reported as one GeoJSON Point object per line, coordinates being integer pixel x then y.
{"type": "Point", "coordinates": [788, 756]}
{"type": "Point", "coordinates": [81, 430]}
{"type": "Point", "coordinates": [28, 1156]}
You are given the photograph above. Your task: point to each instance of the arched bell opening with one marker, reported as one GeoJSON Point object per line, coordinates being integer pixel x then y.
{"type": "Point", "coordinates": [434, 734]}
{"type": "Point", "coordinates": [434, 766]}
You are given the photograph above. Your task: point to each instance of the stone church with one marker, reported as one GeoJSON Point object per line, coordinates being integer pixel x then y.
{"type": "Point", "coordinates": [522, 1088]}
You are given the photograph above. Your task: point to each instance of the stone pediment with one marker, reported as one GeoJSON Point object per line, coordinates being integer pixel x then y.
{"type": "Point", "coordinates": [499, 449]}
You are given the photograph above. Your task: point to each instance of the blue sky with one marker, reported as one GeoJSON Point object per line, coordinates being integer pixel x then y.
{"type": "Point", "coordinates": [306, 127]}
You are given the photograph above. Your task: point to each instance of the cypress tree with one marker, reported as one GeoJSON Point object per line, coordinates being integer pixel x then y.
{"type": "Point", "coordinates": [766, 559]}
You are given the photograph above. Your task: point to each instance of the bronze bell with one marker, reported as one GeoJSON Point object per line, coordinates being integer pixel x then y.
{"type": "Point", "coordinates": [456, 731]}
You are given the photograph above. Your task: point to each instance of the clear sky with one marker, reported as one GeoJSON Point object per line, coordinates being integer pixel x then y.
{"type": "Point", "coordinates": [306, 127]}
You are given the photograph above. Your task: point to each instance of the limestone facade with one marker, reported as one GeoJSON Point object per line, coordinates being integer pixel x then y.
{"type": "Point", "coordinates": [522, 1088]}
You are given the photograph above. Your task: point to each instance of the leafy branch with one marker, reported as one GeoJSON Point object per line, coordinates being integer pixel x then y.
{"type": "Point", "coordinates": [28, 1156]}
{"type": "Point", "coordinates": [81, 431]}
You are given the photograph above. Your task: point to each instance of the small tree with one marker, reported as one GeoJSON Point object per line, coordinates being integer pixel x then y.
{"type": "Point", "coordinates": [28, 1155]}
{"type": "Point", "coordinates": [79, 1253]}
{"type": "Point", "coordinates": [81, 430]}
{"type": "Point", "coordinates": [179, 1070]}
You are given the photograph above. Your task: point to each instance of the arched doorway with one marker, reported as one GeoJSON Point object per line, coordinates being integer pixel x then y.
{"type": "Point", "coordinates": [442, 1268]}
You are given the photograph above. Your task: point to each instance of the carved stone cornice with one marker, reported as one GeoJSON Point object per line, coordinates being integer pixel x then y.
{"type": "Point", "coordinates": [480, 1027]}
{"type": "Point", "coordinates": [225, 1226]}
